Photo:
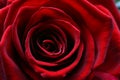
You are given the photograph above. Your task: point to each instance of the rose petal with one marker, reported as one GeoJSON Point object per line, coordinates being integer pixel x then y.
{"type": "Point", "coordinates": [88, 57]}
{"type": "Point", "coordinates": [60, 73]}
{"type": "Point", "coordinates": [11, 69]}
{"type": "Point", "coordinates": [102, 76]}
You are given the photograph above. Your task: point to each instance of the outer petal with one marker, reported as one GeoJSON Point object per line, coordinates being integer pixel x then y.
{"type": "Point", "coordinates": [9, 68]}
{"type": "Point", "coordinates": [109, 5]}
{"type": "Point", "coordinates": [112, 62]}
{"type": "Point", "coordinates": [3, 13]}
{"type": "Point", "coordinates": [102, 76]}
{"type": "Point", "coordinates": [2, 3]}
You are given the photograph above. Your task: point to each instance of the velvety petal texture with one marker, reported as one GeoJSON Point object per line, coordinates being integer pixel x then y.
{"type": "Point", "coordinates": [59, 40]}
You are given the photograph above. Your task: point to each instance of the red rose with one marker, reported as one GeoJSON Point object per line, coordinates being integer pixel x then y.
{"type": "Point", "coordinates": [60, 40]}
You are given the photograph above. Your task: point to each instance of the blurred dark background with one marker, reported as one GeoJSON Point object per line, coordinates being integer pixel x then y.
{"type": "Point", "coordinates": [118, 3]}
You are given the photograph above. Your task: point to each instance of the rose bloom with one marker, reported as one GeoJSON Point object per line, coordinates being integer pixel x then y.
{"type": "Point", "coordinates": [59, 40]}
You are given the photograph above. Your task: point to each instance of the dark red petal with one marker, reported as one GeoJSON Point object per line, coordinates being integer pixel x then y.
{"type": "Point", "coordinates": [85, 66]}
{"type": "Point", "coordinates": [3, 14]}
{"type": "Point", "coordinates": [11, 69]}
{"type": "Point", "coordinates": [102, 76]}
{"type": "Point", "coordinates": [60, 73]}
{"type": "Point", "coordinates": [112, 62]}
{"type": "Point", "coordinates": [110, 6]}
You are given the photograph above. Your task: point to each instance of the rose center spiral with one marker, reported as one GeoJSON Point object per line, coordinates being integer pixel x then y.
{"type": "Point", "coordinates": [49, 45]}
